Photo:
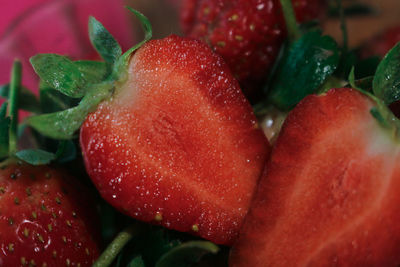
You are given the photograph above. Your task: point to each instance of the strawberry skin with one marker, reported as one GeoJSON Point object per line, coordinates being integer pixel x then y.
{"type": "Point", "coordinates": [330, 196]}
{"type": "Point", "coordinates": [248, 34]}
{"type": "Point", "coordinates": [45, 220]}
{"type": "Point", "coordinates": [178, 143]}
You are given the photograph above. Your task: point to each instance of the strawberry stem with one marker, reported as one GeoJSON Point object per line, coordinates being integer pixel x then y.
{"type": "Point", "coordinates": [113, 249]}
{"type": "Point", "coordinates": [290, 19]}
{"type": "Point", "coordinates": [343, 25]}
{"type": "Point", "coordinates": [15, 86]}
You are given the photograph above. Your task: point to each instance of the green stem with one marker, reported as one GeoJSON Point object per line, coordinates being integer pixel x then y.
{"type": "Point", "coordinates": [15, 86]}
{"type": "Point", "coordinates": [114, 248]}
{"type": "Point", "coordinates": [343, 25]}
{"type": "Point", "coordinates": [290, 19]}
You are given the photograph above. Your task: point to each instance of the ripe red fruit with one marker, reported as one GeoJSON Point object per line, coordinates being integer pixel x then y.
{"type": "Point", "coordinates": [382, 43]}
{"type": "Point", "coordinates": [45, 219]}
{"type": "Point", "coordinates": [246, 33]}
{"type": "Point", "coordinates": [177, 144]}
{"type": "Point", "coordinates": [330, 196]}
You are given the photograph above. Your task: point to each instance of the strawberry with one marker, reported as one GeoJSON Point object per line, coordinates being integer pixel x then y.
{"type": "Point", "coordinates": [177, 144]}
{"type": "Point", "coordinates": [379, 45]}
{"type": "Point", "coordinates": [248, 34]}
{"type": "Point", "coordinates": [167, 138]}
{"type": "Point", "coordinates": [45, 220]}
{"type": "Point", "coordinates": [330, 192]}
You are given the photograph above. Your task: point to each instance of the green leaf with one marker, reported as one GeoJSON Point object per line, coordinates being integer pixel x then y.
{"type": "Point", "coordinates": [187, 254]}
{"type": "Point", "coordinates": [103, 41]}
{"type": "Point", "coordinates": [36, 156]}
{"type": "Point", "coordinates": [60, 73]}
{"type": "Point", "coordinates": [52, 101]}
{"type": "Point", "coordinates": [63, 124]}
{"type": "Point", "coordinates": [27, 100]}
{"type": "Point", "coordinates": [304, 67]}
{"type": "Point", "coordinates": [120, 67]}
{"type": "Point", "coordinates": [137, 262]}
{"type": "Point", "coordinates": [59, 125]}
{"type": "Point", "coordinates": [92, 71]}
{"type": "Point", "coordinates": [386, 84]}
{"type": "Point", "coordinates": [4, 131]}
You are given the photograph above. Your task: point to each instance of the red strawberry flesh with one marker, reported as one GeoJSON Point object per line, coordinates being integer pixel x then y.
{"type": "Point", "coordinates": [178, 143]}
{"type": "Point", "coordinates": [329, 196]}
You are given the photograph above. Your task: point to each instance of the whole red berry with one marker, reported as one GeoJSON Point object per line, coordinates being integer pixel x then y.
{"type": "Point", "coordinates": [46, 219]}
{"type": "Point", "coordinates": [248, 34]}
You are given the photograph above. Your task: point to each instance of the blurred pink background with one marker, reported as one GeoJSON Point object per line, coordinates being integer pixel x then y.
{"type": "Point", "coordinates": [28, 27]}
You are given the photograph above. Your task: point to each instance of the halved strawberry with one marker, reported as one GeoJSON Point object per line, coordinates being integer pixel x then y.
{"type": "Point", "coordinates": [330, 192]}
{"type": "Point", "coordinates": [45, 219]}
{"type": "Point", "coordinates": [177, 144]}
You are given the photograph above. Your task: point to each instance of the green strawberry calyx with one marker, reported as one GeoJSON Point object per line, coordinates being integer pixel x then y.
{"type": "Point", "coordinates": [91, 82]}
{"type": "Point", "coordinates": [385, 86]}
{"type": "Point", "coordinates": [9, 128]}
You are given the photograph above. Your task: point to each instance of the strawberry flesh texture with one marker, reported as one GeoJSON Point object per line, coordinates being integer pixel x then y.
{"type": "Point", "coordinates": [45, 219]}
{"type": "Point", "coordinates": [330, 195]}
{"type": "Point", "coordinates": [178, 143]}
{"type": "Point", "coordinates": [248, 34]}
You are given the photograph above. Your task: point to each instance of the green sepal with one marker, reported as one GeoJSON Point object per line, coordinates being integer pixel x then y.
{"type": "Point", "coordinates": [27, 100]}
{"type": "Point", "coordinates": [4, 131]}
{"type": "Point", "coordinates": [35, 156]}
{"type": "Point", "coordinates": [60, 73]}
{"type": "Point", "coordinates": [119, 70]}
{"type": "Point", "coordinates": [93, 71]}
{"type": "Point", "coordinates": [386, 84]}
{"type": "Point", "coordinates": [104, 43]}
{"type": "Point", "coordinates": [187, 253]}
{"type": "Point", "coordinates": [380, 112]}
{"type": "Point", "coordinates": [52, 100]}
{"type": "Point", "coordinates": [137, 262]}
{"type": "Point", "coordinates": [306, 64]}
{"type": "Point", "coordinates": [63, 124]}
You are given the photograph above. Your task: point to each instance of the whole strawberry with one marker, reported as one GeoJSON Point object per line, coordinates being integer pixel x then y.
{"type": "Point", "coordinates": [168, 138]}
{"type": "Point", "coordinates": [248, 34]}
{"type": "Point", "coordinates": [45, 219]}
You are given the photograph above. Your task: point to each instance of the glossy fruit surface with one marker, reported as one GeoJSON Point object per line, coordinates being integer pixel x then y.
{"type": "Point", "coordinates": [46, 219]}
{"type": "Point", "coordinates": [248, 34]}
{"type": "Point", "coordinates": [178, 143]}
{"type": "Point", "coordinates": [329, 196]}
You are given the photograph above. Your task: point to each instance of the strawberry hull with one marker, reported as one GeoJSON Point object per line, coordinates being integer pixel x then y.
{"type": "Point", "coordinates": [330, 192]}
{"type": "Point", "coordinates": [177, 144]}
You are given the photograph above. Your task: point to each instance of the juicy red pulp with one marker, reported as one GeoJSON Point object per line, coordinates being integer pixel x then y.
{"type": "Point", "coordinates": [329, 196]}
{"type": "Point", "coordinates": [178, 144]}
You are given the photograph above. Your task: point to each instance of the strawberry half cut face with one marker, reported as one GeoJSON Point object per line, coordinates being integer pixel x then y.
{"type": "Point", "coordinates": [177, 144]}
{"type": "Point", "coordinates": [330, 193]}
